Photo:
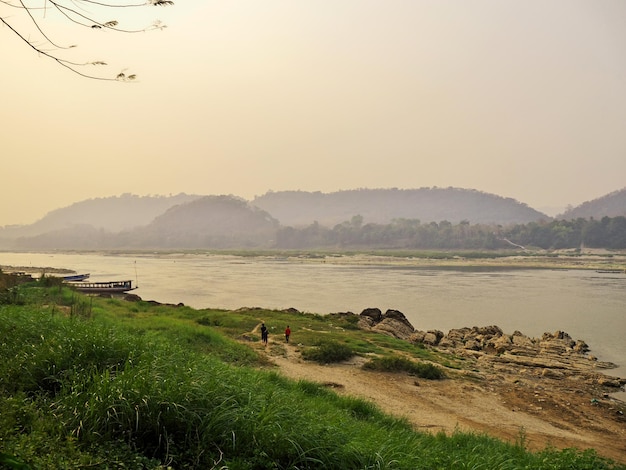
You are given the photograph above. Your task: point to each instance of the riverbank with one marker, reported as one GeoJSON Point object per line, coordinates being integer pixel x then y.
{"type": "Point", "coordinates": [535, 406]}
{"type": "Point", "coordinates": [589, 259]}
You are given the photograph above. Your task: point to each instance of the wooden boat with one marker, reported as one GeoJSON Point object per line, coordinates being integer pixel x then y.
{"type": "Point", "coordinates": [106, 287]}
{"type": "Point", "coordinates": [76, 277]}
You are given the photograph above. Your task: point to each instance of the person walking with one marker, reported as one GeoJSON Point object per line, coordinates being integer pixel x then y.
{"type": "Point", "coordinates": [264, 333]}
{"type": "Point", "coordinates": [287, 333]}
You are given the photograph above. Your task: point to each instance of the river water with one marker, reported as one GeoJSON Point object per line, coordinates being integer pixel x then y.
{"type": "Point", "coordinates": [588, 305]}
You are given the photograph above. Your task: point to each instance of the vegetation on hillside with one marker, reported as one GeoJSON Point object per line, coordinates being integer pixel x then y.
{"type": "Point", "coordinates": [381, 206]}
{"type": "Point", "coordinates": [145, 386]}
{"type": "Point", "coordinates": [609, 205]}
{"type": "Point", "coordinates": [411, 234]}
{"type": "Point", "coordinates": [425, 219]}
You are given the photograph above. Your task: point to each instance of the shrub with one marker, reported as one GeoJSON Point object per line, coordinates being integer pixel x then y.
{"type": "Point", "coordinates": [402, 364]}
{"type": "Point", "coordinates": [329, 351]}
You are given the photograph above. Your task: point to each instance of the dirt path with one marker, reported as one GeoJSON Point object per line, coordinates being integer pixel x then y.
{"type": "Point", "coordinates": [555, 413]}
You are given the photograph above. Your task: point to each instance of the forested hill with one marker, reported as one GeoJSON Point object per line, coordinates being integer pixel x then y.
{"type": "Point", "coordinates": [611, 205]}
{"type": "Point", "coordinates": [209, 222]}
{"type": "Point", "coordinates": [381, 206]}
{"type": "Point", "coordinates": [112, 214]}
{"type": "Point", "coordinates": [404, 222]}
{"type": "Point", "coordinates": [206, 222]}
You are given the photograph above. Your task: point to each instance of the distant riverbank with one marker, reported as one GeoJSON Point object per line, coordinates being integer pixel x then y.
{"type": "Point", "coordinates": [591, 259]}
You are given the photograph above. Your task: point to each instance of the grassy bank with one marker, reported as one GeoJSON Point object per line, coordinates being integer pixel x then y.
{"type": "Point", "coordinates": [105, 383]}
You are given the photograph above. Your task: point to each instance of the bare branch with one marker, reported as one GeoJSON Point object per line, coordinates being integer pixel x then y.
{"type": "Point", "coordinates": [61, 62]}
{"type": "Point", "coordinates": [73, 11]}
{"type": "Point", "coordinates": [37, 26]}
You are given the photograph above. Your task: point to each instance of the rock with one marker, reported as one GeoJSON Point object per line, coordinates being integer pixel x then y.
{"type": "Point", "coordinates": [366, 323]}
{"type": "Point", "coordinates": [445, 342]}
{"type": "Point", "coordinates": [490, 331]}
{"type": "Point", "coordinates": [132, 298]}
{"type": "Point", "coordinates": [499, 344]}
{"type": "Point", "coordinates": [398, 316]}
{"type": "Point", "coordinates": [518, 339]}
{"type": "Point", "coordinates": [472, 345]}
{"type": "Point", "coordinates": [612, 382]}
{"type": "Point", "coordinates": [551, 373]}
{"type": "Point", "coordinates": [433, 337]}
{"type": "Point", "coordinates": [457, 336]}
{"type": "Point", "coordinates": [392, 322]}
{"type": "Point", "coordinates": [291, 310]}
{"type": "Point", "coordinates": [393, 327]}
{"type": "Point", "coordinates": [417, 337]}
{"type": "Point", "coordinates": [373, 313]}
{"type": "Point", "coordinates": [581, 347]}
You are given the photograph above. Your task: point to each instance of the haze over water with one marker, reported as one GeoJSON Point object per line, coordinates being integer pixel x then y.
{"type": "Point", "coordinates": [586, 304]}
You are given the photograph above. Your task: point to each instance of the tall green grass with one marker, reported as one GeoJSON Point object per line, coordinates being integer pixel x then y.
{"type": "Point", "coordinates": [81, 392]}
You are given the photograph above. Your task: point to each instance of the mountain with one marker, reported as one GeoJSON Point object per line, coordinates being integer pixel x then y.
{"type": "Point", "coordinates": [611, 205]}
{"type": "Point", "coordinates": [298, 219]}
{"type": "Point", "coordinates": [208, 222]}
{"type": "Point", "coordinates": [300, 208]}
{"type": "Point", "coordinates": [112, 214]}
{"type": "Point", "coordinates": [205, 222]}
{"type": "Point", "coordinates": [192, 221]}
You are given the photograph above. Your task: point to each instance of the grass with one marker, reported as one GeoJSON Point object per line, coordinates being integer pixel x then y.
{"type": "Point", "coordinates": [142, 386]}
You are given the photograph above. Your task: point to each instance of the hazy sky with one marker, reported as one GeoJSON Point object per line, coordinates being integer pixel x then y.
{"type": "Point", "coordinates": [520, 98]}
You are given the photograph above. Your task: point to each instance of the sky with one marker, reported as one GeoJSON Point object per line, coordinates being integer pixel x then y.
{"type": "Point", "coordinates": [521, 98]}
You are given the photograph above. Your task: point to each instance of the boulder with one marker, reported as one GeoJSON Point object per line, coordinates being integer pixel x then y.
{"type": "Point", "coordinates": [499, 344]}
{"type": "Point", "coordinates": [398, 316]}
{"type": "Point", "coordinates": [392, 322]}
{"type": "Point", "coordinates": [417, 337]}
{"type": "Point", "coordinates": [433, 337]}
{"type": "Point", "coordinates": [395, 328]}
{"type": "Point", "coordinates": [373, 313]}
{"type": "Point", "coordinates": [291, 310]}
{"type": "Point", "coordinates": [581, 347]}
{"type": "Point", "coordinates": [523, 341]}
{"type": "Point", "coordinates": [488, 331]}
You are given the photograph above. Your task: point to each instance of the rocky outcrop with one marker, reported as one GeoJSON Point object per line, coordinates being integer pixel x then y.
{"type": "Point", "coordinates": [373, 315]}
{"type": "Point", "coordinates": [391, 323]}
{"type": "Point", "coordinates": [553, 356]}
{"type": "Point", "coordinates": [492, 340]}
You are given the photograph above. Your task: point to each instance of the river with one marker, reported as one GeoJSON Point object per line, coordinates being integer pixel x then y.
{"type": "Point", "coordinates": [588, 305]}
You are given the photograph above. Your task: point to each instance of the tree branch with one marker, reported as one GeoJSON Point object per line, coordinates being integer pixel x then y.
{"type": "Point", "coordinates": [75, 16]}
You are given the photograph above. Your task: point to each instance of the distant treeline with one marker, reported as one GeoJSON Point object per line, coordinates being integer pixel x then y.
{"type": "Point", "coordinates": [609, 232]}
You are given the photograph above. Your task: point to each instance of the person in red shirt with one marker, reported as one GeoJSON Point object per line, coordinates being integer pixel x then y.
{"type": "Point", "coordinates": [287, 333]}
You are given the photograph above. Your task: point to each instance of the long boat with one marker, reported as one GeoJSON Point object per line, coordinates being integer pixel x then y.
{"type": "Point", "coordinates": [106, 287]}
{"type": "Point", "coordinates": [75, 277]}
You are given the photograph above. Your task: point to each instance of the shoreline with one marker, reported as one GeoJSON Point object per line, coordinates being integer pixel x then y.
{"type": "Point", "coordinates": [601, 260]}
